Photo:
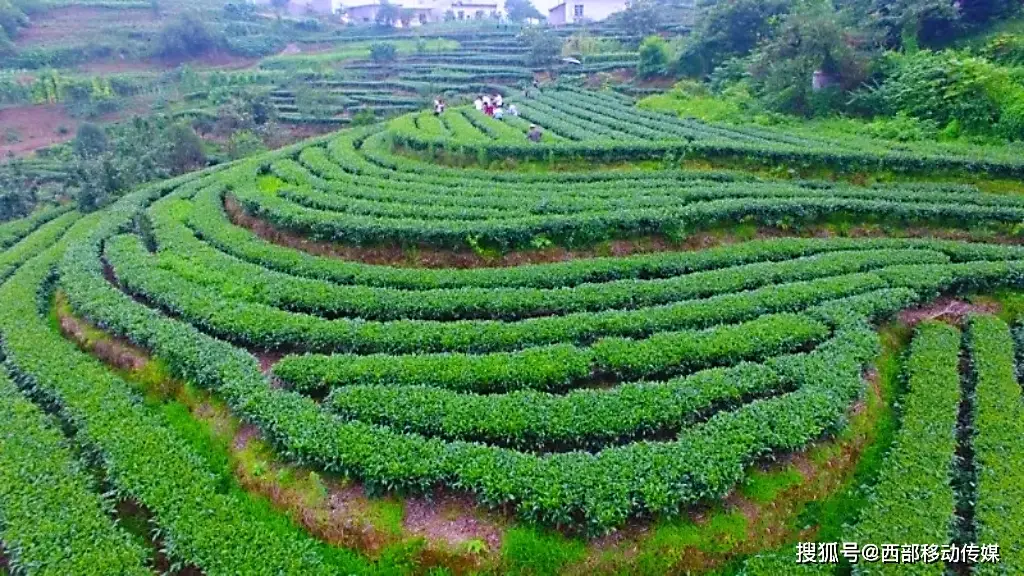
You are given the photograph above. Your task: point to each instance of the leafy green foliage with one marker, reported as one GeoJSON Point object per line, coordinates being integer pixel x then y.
{"type": "Point", "coordinates": [529, 552]}
{"type": "Point", "coordinates": [544, 45]}
{"type": "Point", "coordinates": [639, 19]}
{"type": "Point", "coordinates": [913, 500]}
{"type": "Point", "coordinates": [185, 37]}
{"type": "Point", "coordinates": [521, 10]}
{"type": "Point", "coordinates": [382, 52]}
{"type": "Point", "coordinates": [90, 141]}
{"type": "Point", "coordinates": [599, 127]}
{"type": "Point", "coordinates": [13, 231]}
{"type": "Point", "coordinates": [811, 38]}
{"type": "Point", "coordinates": [142, 457]}
{"type": "Point", "coordinates": [42, 238]}
{"type": "Point", "coordinates": [55, 521]}
{"type": "Point", "coordinates": [728, 29]}
{"type": "Point", "coordinates": [948, 87]}
{"type": "Point", "coordinates": [998, 455]}
{"type": "Point", "coordinates": [244, 143]}
{"type": "Point", "coordinates": [654, 57]}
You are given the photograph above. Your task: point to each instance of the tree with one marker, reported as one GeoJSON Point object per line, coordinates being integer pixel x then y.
{"type": "Point", "coordinates": [640, 19]}
{"type": "Point", "coordinates": [185, 149]}
{"type": "Point", "coordinates": [387, 14]}
{"type": "Point", "coordinates": [521, 10]}
{"type": "Point", "coordinates": [979, 12]}
{"type": "Point", "coordinates": [90, 141]}
{"type": "Point", "coordinates": [383, 52]}
{"type": "Point", "coordinates": [7, 48]}
{"type": "Point", "coordinates": [18, 190]}
{"type": "Point", "coordinates": [406, 15]}
{"type": "Point", "coordinates": [728, 29]}
{"type": "Point", "coordinates": [364, 117]}
{"type": "Point", "coordinates": [583, 43]}
{"type": "Point", "coordinates": [913, 23]}
{"type": "Point", "coordinates": [12, 18]}
{"type": "Point", "coordinates": [244, 143]}
{"type": "Point", "coordinates": [98, 180]}
{"type": "Point", "coordinates": [653, 58]}
{"type": "Point", "coordinates": [257, 107]}
{"type": "Point", "coordinates": [812, 38]}
{"type": "Point", "coordinates": [543, 43]}
{"type": "Point", "coordinates": [185, 37]}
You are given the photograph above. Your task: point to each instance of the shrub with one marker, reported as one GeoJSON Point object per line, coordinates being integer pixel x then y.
{"type": "Point", "coordinates": [185, 37]}
{"type": "Point", "coordinates": [383, 52]}
{"type": "Point", "coordinates": [90, 141]}
{"type": "Point", "coordinates": [654, 57]}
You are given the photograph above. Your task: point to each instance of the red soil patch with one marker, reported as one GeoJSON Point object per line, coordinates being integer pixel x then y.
{"type": "Point", "coordinates": [39, 126]}
{"type": "Point", "coordinates": [267, 359]}
{"type": "Point", "coordinates": [946, 309]}
{"type": "Point", "coordinates": [58, 25]}
{"type": "Point", "coordinates": [114, 66]}
{"type": "Point", "coordinates": [114, 351]}
{"type": "Point", "coordinates": [213, 60]}
{"type": "Point", "coordinates": [449, 518]}
{"type": "Point", "coordinates": [34, 127]}
{"type": "Point", "coordinates": [287, 134]}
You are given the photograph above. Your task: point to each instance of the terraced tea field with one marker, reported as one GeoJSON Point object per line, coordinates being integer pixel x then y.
{"type": "Point", "coordinates": [621, 349]}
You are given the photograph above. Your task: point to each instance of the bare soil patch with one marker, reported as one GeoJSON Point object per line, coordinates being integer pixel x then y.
{"type": "Point", "coordinates": [213, 60]}
{"type": "Point", "coordinates": [42, 125]}
{"type": "Point", "coordinates": [287, 134]}
{"type": "Point", "coordinates": [449, 518]}
{"type": "Point", "coordinates": [114, 351]}
{"type": "Point", "coordinates": [56, 26]}
{"type": "Point", "coordinates": [946, 309]}
{"type": "Point", "coordinates": [28, 128]}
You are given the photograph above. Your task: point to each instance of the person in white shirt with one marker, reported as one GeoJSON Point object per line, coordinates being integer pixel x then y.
{"type": "Point", "coordinates": [513, 110]}
{"type": "Point", "coordinates": [497, 100]}
{"type": "Point", "coordinates": [498, 113]}
{"type": "Point", "coordinates": [479, 104]}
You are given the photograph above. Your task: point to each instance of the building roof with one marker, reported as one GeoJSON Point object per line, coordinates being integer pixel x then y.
{"type": "Point", "coordinates": [552, 9]}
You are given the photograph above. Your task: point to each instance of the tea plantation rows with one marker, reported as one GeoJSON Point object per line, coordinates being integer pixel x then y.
{"type": "Point", "coordinates": [583, 394]}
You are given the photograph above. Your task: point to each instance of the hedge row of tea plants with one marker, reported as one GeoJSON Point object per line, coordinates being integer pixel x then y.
{"type": "Point", "coordinates": [998, 425]}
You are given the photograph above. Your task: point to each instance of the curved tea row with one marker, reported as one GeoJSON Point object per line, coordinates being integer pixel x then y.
{"type": "Point", "coordinates": [578, 394]}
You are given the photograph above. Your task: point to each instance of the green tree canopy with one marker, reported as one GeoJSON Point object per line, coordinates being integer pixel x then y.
{"type": "Point", "coordinates": [544, 45]}
{"type": "Point", "coordinates": [184, 37]}
{"type": "Point", "coordinates": [90, 141]}
{"type": "Point", "coordinates": [653, 57]}
{"type": "Point", "coordinates": [520, 10]}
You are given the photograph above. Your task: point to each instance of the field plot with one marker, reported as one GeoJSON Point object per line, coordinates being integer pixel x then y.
{"type": "Point", "coordinates": [647, 370]}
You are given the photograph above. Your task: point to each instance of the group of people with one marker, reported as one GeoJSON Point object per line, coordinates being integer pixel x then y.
{"type": "Point", "coordinates": [493, 106]}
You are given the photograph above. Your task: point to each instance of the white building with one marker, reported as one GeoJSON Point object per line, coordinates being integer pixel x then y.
{"type": "Point", "coordinates": [422, 11]}
{"type": "Point", "coordinates": [577, 11]}
{"type": "Point", "coordinates": [467, 9]}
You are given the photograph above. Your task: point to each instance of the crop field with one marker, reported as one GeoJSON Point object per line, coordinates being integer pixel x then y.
{"type": "Point", "coordinates": [408, 349]}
